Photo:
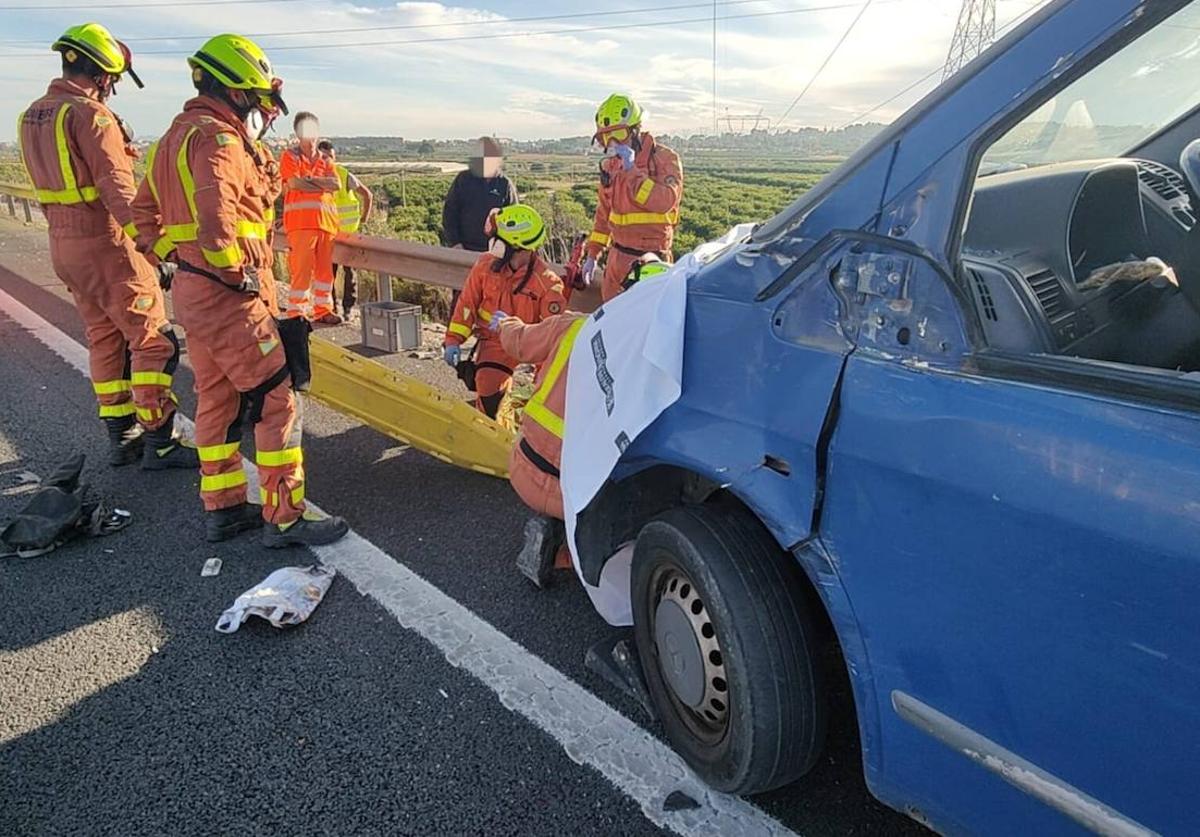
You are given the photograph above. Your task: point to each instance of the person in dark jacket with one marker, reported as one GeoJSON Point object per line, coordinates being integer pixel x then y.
{"type": "Point", "coordinates": [473, 195]}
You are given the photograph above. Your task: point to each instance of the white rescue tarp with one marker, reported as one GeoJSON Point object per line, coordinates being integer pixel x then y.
{"type": "Point", "coordinates": [626, 368]}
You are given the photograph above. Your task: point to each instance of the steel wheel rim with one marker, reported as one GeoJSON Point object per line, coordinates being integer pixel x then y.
{"type": "Point", "coordinates": [708, 716]}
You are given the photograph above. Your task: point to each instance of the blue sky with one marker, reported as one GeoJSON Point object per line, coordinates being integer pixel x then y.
{"type": "Point", "coordinates": [529, 86]}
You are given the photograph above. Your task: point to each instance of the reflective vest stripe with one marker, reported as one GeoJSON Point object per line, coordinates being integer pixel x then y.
{"type": "Point", "coordinates": [150, 379]}
{"type": "Point", "coordinates": [185, 177]}
{"type": "Point", "coordinates": [270, 498]}
{"type": "Point", "coordinates": [217, 453]}
{"type": "Point", "coordinates": [643, 193]}
{"type": "Point", "coordinates": [71, 193]}
{"type": "Point", "coordinates": [600, 238]}
{"type": "Point", "coordinates": [117, 410]}
{"type": "Point", "coordinates": [151, 153]}
{"type": "Point", "coordinates": [536, 409]}
{"type": "Point", "coordinates": [110, 387]}
{"type": "Point", "coordinates": [348, 206]}
{"type": "Point", "coordinates": [276, 458]}
{"type": "Point", "coordinates": [629, 219]}
{"type": "Point", "coordinates": [460, 329]}
{"type": "Point", "coordinates": [298, 205]}
{"type": "Point", "coordinates": [219, 482]}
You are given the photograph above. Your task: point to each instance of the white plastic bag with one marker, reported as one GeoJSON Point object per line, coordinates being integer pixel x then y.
{"type": "Point", "coordinates": [286, 597]}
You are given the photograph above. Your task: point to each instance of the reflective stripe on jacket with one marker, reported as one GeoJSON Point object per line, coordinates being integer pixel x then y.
{"type": "Point", "coordinates": [73, 149]}
{"type": "Point", "coordinates": [639, 209]}
{"type": "Point", "coordinates": [537, 410]}
{"type": "Point", "coordinates": [348, 205]}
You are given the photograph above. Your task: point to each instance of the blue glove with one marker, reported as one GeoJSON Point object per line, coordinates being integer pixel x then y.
{"type": "Point", "coordinates": [589, 268]}
{"type": "Point", "coordinates": [625, 154]}
{"type": "Point", "coordinates": [497, 318]}
{"type": "Point", "coordinates": [450, 354]}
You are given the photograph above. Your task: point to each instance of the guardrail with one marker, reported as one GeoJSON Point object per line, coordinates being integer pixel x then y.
{"type": "Point", "coordinates": [402, 407]}
{"type": "Point", "coordinates": [22, 195]}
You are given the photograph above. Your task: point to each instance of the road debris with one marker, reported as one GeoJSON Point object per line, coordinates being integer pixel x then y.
{"type": "Point", "coordinates": [61, 510]}
{"type": "Point", "coordinates": [286, 597]}
{"type": "Point", "coordinates": [211, 567]}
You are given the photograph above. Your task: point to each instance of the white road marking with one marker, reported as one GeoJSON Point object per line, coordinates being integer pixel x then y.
{"type": "Point", "coordinates": [590, 731]}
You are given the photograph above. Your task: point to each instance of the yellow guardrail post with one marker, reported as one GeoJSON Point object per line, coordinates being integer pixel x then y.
{"type": "Point", "coordinates": [440, 424]}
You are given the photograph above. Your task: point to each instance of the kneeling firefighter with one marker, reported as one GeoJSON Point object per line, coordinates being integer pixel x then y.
{"type": "Point", "coordinates": [77, 153]}
{"type": "Point", "coordinates": [537, 456]}
{"type": "Point", "coordinates": [511, 276]}
{"type": "Point", "coordinates": [206, 199]}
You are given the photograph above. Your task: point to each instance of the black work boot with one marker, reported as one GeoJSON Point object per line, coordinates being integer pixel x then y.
{"type": "Point", "coordinates": [307, 530]}
{"type": "Point", "coordinates": [543, 536]}
{"type": "Point", "coordinates": [125, 440]}
{"type": "Point", "coordinates": [223, 524]}
{"type": "Point", "coordinates": [164, 449]}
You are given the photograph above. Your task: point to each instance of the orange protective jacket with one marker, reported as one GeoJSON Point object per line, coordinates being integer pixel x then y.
{"type": "Point", "coordinates": [74, 149]}
{"type": "Point", "coordinates": [638, 209]}
{"type": "Point", "coordinates": [542, 344]}
{"type": "Point", "coordinates": [531, 295]}
{"type": "Point", "coordinates": [307, 210]}
{"type": "Point", "coordinates": [208, 194]}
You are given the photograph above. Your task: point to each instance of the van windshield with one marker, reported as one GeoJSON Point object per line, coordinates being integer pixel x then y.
{"type": "Point", "coordinates": [1117, 106]}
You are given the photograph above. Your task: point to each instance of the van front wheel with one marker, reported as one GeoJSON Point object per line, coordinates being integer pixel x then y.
{"type": "Point", "coordinates": [724, 628]}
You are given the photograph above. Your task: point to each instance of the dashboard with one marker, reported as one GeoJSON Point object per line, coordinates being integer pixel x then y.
{"type": "Point", "coordinates": [1036, 238]}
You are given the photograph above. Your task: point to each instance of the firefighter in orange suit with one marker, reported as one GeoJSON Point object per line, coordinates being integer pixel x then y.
{"type": "Point", "coordinates": [206, 197]}
{"type": "Point", "coordinates": [641, 186]}
{"type": "Point", "coordinates": [310, 219]}
{"type": "Point", "coordinates": [533, 467]}
{"type": "Point", "coordinates": [77, 153]}
{"type": "Point", "coordinates": [511, 276]}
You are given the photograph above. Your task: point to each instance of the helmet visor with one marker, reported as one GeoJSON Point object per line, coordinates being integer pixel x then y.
{"type": "Point", "coordinates": [128, 54]}
{"type": "Point", "coordinates": [606, 136]}
{"type": "Point", "coordinates": [273, 101]}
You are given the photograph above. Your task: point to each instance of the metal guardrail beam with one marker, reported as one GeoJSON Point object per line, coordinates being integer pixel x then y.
{"type": "Point", "coordinates": [441, 424]}
{"type": "Point", "coordinates": [14, 194]}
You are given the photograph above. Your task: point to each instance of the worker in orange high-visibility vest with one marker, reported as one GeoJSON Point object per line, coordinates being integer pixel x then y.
{"type": "Point", "coordinates": [511, 276]}
{"type": "Point", "coordinates": [76, 151]}
{"type": "Point", "coordinates": [354, 202]}
{"type": "Point", "coordinates": [310, 219]}
{"type": "Point", "coordinates": [533, 467]}
{"type": "Point", "coordinates": [641, 187]}
{"type": "Point", "coordinates": [207, 194]}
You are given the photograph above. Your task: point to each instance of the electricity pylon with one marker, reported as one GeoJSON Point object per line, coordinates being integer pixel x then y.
{"type": "Point", "coordinates": [975, 30]}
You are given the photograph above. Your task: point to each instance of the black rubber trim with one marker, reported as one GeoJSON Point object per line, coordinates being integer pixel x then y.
{"type": "Point", "coordinates": [1158, 387]}
{"type": "Point", "coordinates": [540, 462]}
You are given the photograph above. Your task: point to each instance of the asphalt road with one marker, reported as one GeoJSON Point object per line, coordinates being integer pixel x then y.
{"type": "Point", "coordinates": [124, 712]}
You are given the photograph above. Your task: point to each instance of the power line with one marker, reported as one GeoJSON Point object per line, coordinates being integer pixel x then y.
{"type": "Point", "coordinates": [441, 25]}
{"type": "Point", "coordinates": [779, 122]}
{"type": "Point", "coordinates": [498, 35]}
{"type": "Point", "coordinates": [146, 6]}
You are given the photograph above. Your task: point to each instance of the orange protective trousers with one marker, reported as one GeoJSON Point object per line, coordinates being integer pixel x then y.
{"type": "Point", "coordinates": [117, 295]}
{"type": "Point", "coordinates": [236, 355]}
{"type": "Point", "coordinates": [310, 261]}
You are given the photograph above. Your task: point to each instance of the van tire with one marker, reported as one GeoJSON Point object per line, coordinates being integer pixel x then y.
{"type": "Point", "coordinates": [760, 607]}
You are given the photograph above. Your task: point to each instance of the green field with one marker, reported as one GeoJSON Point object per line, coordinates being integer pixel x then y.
{"type": "Point", "coordinates": [720, 190]}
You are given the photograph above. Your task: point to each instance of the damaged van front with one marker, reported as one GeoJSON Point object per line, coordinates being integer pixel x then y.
{"type": "Point", "coordinates": [943, 413]}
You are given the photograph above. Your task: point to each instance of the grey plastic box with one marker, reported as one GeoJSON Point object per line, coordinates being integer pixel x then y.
{"type": "Point", "coordinates": [391, 326]}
